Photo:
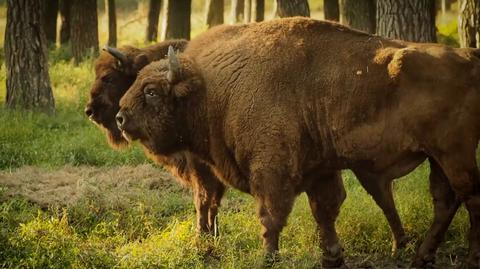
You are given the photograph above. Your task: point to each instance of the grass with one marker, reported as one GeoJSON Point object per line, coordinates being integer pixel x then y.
{"type": "Point", "coordinates": [67, 200]}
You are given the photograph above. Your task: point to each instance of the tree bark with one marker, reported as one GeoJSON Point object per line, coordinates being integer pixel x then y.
{"type": "Point", "coordinates": [290, 8]}
{"type": "Point", "coordinates": [469, 23]}
{"type": "Point", "coordinates": [176, 23]}
{"type": "Point", "coordinates": [28, 83]}
{"type": "Point", "coordinates": [258, 7]}
{"type": "Point", "coordinates": [65, 7]}
{"type": "Point", "coordinates": [112, 22]}
{"type": "Point", "coordinates": [84, 28]}
{"type": "Point", "coordinates": [49, 19]}
{"type": "Point", "coordinates": [153, 18]}
{"type": "Point", "coordinates": [247, 11]}
{"type": "Point", "coordinates": [331, 10]}
{"type": "Point", "coordinates": [237, 11]}
{"type": "Point", "coordinates": [410, 20]}
{"type": "Point", "coordinates": [360, 15]}
{"type": "Point", "coordinates": [214, 12]}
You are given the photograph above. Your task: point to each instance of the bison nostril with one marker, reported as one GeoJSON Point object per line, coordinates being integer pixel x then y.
{"type": "Point", "coordinates": [120, 119]}
{"type": "Point", "coordinates": [88, 111]}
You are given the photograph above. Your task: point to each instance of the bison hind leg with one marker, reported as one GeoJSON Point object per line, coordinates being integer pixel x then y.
{"type": "Point", "coordinates": [326, 195]}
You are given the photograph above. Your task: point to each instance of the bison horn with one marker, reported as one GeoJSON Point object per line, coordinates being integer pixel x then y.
{"type": "Point", "coordinates": [117, 54]}
{"type": "Point", "coordinates": [173, 64]}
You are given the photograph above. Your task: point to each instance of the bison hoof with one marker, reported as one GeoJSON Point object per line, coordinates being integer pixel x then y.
{"type": "Point", "coordinates": [427, 262]}
{"type": "Point", "coordinates": [398, 245]}
{"type": "Point", "coordinates": [270, 259]}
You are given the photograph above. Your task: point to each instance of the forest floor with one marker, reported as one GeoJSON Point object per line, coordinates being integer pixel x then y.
{"type": "Point", "coordinates": [139, 217]}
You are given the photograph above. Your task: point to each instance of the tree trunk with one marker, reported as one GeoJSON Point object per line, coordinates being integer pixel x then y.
{"type": "Point", "coordinates": [214, 12]}
{"type": "Point", "coordinates": [237, 11]}
{"type": "Point", "coordinates": [290, 8]}
{"type": "Point", "coordinates": [65, 7]}
{"type": "Point", "coordinates": [84, 28]}
{"type": "Point", "coordinates": [360, 15]}
{"type": "Point", "coordinates": [258, 7]}
{"type": "Point", "coordinates": [410, 20]}
{"type": "Point", "coordinates": [247, 11]}
{"type": "Point", "coordinates": [331, 10]}
{"type": "Point", "coordinates": [176, 23]}
{"type": "Point", "coordinates": [112, 22]}
{"type": "Point", "coordinates": [49, 19]}
{"type": "Point", "coordinates": [469, 23]}
{"type": "Point", "coordinates": [153, 18]}
{"type": "Point", "coordinates": [28, 83]}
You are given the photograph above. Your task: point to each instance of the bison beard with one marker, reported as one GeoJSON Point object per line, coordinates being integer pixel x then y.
{"type": "Point", "coordinates": [116, 69]}
{"type": "Point", "coordinates": [273, 107]}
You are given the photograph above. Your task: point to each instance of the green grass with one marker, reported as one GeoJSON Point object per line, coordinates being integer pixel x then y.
{"type": "Point", "coordinates": [154, 228]}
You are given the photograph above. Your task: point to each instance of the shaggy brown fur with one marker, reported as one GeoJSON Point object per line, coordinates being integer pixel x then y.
{"type": "Point", "coordinates": [317, 97]}
{"type": "Point", "coordinates": [113, 78]}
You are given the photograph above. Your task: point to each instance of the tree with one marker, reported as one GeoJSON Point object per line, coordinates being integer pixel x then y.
{"type": "Point", "coordinates": [359, 14]}
{"type": "Point", "coordinates": [290, 8]}
{"type": "Point", "coordinates": [214, 12]}
{"type": "Point", "coordinates": [49, 20]}
{"type": "Point", "coordinates": [411, 20]}
{"type": "Point", "coordinates": [331, 10]}
{"type": "Point", "coordinates": [65, 7]}
{"type": "Point", "coordinates": [153, 18]}
{"type": "Point", "coordinates": [28, 83]}
{"type": "Point", "coordinates": [84, 28]}
{"type": "Point", "coordinates": [247, 11]}
{"type": "Point", "coordinates": [237, 11]}
{"type": "Point", "coordinates": [176, 23]}
{"type": "Point", "coordinates": [258, 8]}
{"type": "Point", "coordinates": [469, 23]}
{"type": "Point", "coordinates": [112, 22]}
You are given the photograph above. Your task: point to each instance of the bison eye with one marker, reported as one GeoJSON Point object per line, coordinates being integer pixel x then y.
{"type": "Point", "coordinates": [149, 92]}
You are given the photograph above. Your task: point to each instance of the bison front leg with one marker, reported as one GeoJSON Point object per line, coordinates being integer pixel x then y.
{"type": "Point", "coordinates": [445, 206]}
{"type": "Point", "coordinates": [207, 201]}
{"type": "Point", "coordinates": [381, 191]}
{"type": "Point", "coordinates": [326, 195]}
{"type": "Point", "coordinates": [274, 197]}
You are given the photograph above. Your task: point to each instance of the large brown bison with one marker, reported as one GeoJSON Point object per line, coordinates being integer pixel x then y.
{"type": "Point", "coordinates": [115, 70]}
{"type": "Point", "coordinates": [271, 106]}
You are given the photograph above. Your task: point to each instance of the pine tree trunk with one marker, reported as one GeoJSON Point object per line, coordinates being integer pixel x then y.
{"type": "Point", "coordinates": [331, 10]}
{"type": "Point", "coordinates": [290, 8]}
{"type": "Point", "coordinates": [237, 11]}
{"type": "Point", "coordinates": [84, 29]}
{"type": "Point", "coordinates": [360, 15]}
{"type": "Point", "coordinates": [247, 11]}
{"type": "Point", "coordinates": [112, 22]}
{"type": "Point", "coordinates": [49, 19]}
{"type": "Point", "coordinates": [28, 83]}
{"type": "Point", "coordinates": [469, 23]}
{"type": "Point", "coordinates": [258, 7]}
{"type": "Point", "coordinates": [214, 12]}
{"type": "Point", "coordinates": [65, 7]}
{"type": "Point", "coordinates": [176, 23]}
{"type": "Point", "coordinates": [153, 18]}
{"type": "Point", "coordinates": [410, 20]}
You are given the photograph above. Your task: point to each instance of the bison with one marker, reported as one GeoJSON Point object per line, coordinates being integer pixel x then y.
{"type": "Point", "coordinates": [115, 70]}
{"type": "Point", "coordinates": [308, 97]}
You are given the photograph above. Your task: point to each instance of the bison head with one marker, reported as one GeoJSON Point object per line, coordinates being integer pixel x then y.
{"type": "Point", "coordinates": [154, 109]}
{"type": "Point", "coordinates": [115, 71]}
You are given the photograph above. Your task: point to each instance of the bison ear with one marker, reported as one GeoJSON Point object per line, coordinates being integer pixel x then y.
{"type": "Point", "coordinates": [173, 65]}
{"type": "Point", "coordinates": [121, 58]}
{"type": "Point", "coordinates": [140, 61]}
